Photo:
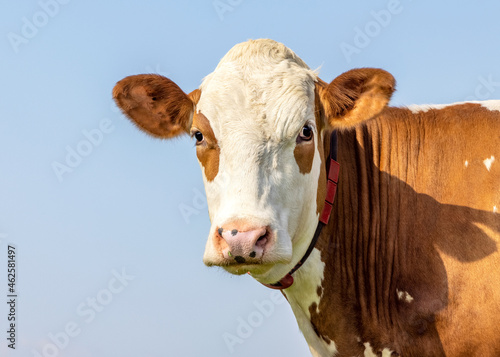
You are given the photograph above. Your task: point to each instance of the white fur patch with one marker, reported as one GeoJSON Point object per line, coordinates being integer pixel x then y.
{"type": "Point", "coordinates": [488, 162]}
{"type": "Point", "coordinates": [422, 108]}
{"type": "Point", "coordinates": [307, 279]}
{"type": "Point", "coordinates": [404, 295]}
{"type": "Point", "coordinates": [369, 351]}
{"type": "Point", "coordinates": [258, 98]}
{"type": "Point", "coordinates": [466, 163]}
{"type": "Point", "coordinates": [301, 295]}
{"type": "Point", "coordinates": [491, 104]}
{"type": "Point", "coordinates": [495, 209]}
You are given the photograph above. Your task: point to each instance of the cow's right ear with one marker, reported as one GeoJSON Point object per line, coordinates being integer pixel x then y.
{"type": "Point", "coordinates": [156, 104]}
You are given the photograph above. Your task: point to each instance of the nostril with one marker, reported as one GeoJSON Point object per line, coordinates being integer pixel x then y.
{"type": "Point", "coordinates": [239, 259]}
{"type": "Point", "coordinates": [242, 244]}
{"type": "Point", "coordinates": [261, 242]}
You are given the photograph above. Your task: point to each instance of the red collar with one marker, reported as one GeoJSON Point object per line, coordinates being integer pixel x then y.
{"type": "Point", "coordinates": [331, 190]}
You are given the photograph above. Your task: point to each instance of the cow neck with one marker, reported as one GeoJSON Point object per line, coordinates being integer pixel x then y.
{"type": "Point", "coordinates": [333, 176]}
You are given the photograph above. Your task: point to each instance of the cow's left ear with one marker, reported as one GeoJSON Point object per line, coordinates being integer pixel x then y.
{"type": "Point", "coordinates": [355, 96]}
{"type": "Point", "coordinates": [156, 104]}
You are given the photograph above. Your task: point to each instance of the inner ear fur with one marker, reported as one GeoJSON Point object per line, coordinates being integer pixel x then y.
{"type": "Point", "coordinates": [156, 104]}
{"type": "Point", "coordinates": [355, 96]}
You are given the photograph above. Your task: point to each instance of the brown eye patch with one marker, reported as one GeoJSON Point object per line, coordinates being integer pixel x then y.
{"type": "Point", "coordinates": [304, 153]}
{"type": "Point", "coordinates": [207, 148]}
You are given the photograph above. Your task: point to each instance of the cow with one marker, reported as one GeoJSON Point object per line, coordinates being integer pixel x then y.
{"type": "Point", "coordinates": [404, 261]}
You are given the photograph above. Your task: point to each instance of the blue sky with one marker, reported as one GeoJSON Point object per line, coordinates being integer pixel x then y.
{"type": "Point", "coordinates": [107, 264]}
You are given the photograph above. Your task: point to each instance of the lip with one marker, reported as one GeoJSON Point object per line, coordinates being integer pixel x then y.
{"type": "Point", "coordinates": [234, 265]}
{"type": "Point", "coordinates": [242, 268]}
{"type": "Point", "coordinates": [254, 269]}
{"type": "Point", "coordinates": [230, 262]}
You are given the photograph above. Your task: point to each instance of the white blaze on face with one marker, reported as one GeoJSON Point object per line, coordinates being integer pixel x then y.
{"type": "Point", "coordinates": [257, 101]}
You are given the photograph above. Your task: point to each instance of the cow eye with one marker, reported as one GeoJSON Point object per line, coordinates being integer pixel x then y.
{"type": "Point", "coordinates": [199, 137]}
{"type": "Point", "coordinates": [306, 133]}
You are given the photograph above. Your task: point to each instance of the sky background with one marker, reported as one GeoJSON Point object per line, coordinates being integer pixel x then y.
{"type": "Point", "coordinates": [117, 211]}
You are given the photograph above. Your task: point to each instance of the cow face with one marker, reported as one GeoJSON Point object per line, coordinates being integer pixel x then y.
{"type": "Point", "coordinates": [258, 121]}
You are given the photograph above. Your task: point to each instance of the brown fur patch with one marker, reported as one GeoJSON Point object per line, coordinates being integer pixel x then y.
{"type": "Point", "coordinates": [195, 96]}
{"type": "Point", "coordinates": [304, 156]}
{"type": "Point", "coordinates": [155, 104]}
{"type": "Point", "coordinates": [322, 179]}
{"type": "Point", "coordinates": [208, 152]}
{"type": "Point", "coordinates": [411, 216]}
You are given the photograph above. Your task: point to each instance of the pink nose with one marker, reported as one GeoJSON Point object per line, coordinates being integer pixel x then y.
{"type": "Point", "coordinates": [241, 244]}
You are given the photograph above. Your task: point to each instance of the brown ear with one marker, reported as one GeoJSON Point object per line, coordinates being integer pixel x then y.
{"type": "Point", "coordinates": [355, 96]}
{"type": "Point", "coordinates": [156, 104]}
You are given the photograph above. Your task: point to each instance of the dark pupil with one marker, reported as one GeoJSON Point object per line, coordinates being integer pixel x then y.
{"type": "Point", "coordinates": [198, 136]}
{"type": "Point", "coordinates": [306, 131]}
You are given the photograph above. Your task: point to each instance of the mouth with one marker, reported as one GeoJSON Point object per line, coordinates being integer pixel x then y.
{"type": "Point", "coordinates": [255, 268]}
{"type": "Point", "coordinates": [240, 269]}
{"type": "Point", "coordinates": [234, 267]}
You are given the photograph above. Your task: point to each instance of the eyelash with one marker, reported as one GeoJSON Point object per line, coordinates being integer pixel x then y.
{"type": "Point", "coordinates": [198, 136]}
{"type": "Point", "coordinates": [302, 137]}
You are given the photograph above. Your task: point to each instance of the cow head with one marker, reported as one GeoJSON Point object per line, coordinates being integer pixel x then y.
{"type": "Point", "coordinates": [258, 121]}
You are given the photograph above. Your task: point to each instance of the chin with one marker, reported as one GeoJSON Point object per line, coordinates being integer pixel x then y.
{"type": "Point", "coordinates": [253, 269]}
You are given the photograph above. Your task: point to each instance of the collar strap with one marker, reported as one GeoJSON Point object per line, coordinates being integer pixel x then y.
{"type": "Point", "coordinates": [331, 189]}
